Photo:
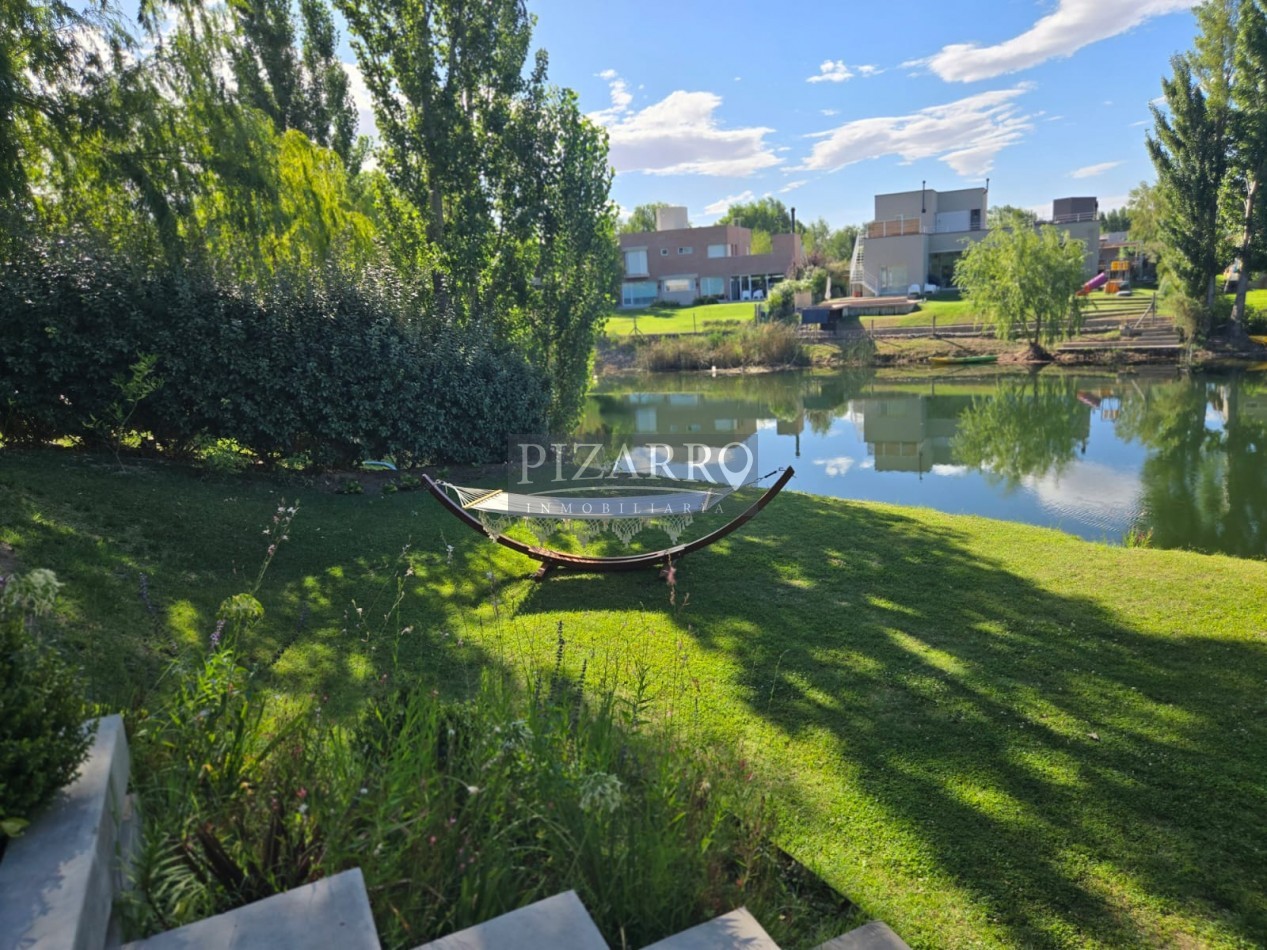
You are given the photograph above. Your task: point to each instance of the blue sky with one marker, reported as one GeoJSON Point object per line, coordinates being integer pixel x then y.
{"type": "Point", "coordinates": [824, 105]}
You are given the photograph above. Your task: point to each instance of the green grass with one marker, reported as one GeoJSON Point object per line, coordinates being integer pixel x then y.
{"type": "Point", "coordinates": [985, 734]}
{"type": "Point", "coordinates": [703, 319]}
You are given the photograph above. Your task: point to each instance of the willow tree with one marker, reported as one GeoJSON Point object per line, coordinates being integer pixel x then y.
{"type": "Point", "coordinates": [1023, 281]}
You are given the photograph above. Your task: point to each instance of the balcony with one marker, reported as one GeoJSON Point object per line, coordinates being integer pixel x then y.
{"type": "Point", "coordinates": [895, 227]}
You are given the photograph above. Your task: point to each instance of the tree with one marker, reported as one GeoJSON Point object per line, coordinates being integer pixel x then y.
{"type": "Point", "coordinates": [1024, 281]}
{"type": "Point", "coordinates": [509, 182]}
{"type": "Point", "coordinates": [1010, 216]}
{"type": "Point", "coordinates": [1119, 219]}
{"type": "Point", "coordinates": [767, 214]}
{"type": "Point", "coordinates": [762, 243]}
{"type": "Point", "coordinates": [642, 218]}
{"type": "Point", "coordinates": [1248, 90]}
{"type": "Point", "coordinates": [1145, 212]}
{"type": "Point", "coordinates": [49, 85]}
{"type": "Point", "coordinates": [1189, 151]}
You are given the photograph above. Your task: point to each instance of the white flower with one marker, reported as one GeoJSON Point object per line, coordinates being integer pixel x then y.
{"type": "Point", "coordinates": [601, 792]}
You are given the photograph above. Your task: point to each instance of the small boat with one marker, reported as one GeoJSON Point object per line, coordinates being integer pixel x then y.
{"type": "Point", "coordinates": [1260, 340]}
{"type": "Point", "coordinates": [962, 360]}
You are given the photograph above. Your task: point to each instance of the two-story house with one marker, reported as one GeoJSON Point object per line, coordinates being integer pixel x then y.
{"type": "Point", "coordinates": [917, 237]}
{"type": "Point", "coordinates": [679, 263]}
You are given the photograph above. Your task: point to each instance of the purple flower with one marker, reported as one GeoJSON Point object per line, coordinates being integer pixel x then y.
{"type": "Point", "coordinates": [215, 634]}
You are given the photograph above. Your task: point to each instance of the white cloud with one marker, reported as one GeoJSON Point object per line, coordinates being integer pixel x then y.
{"type": "Point", "coordinates": [1061, 33]}
{"type": "Point", "coordinates": [1140, 124]}
{"type": "Point", "coordinates": [838, 466]}
{"type": "Point", "coordinates": [829, 112]}
{"type": "Point", "coordinates": [621, 98]}
{"type": "Point", "coordinates": [1090, 171]}
{"type": "Point", "coordinates": [722, 205]}
{"type": "Point", "coordinates": [867, 71]}
{"type": "Point", "coordinates": [680, 135]}
{"type": "Point", "coordinates": [793, 185]}
{"type": "Point", "coordinates": [832, 71]}
{"type": "Point", "coordinates": [966, 134]}
{"type": "Point", "coordinates": [361, 99]}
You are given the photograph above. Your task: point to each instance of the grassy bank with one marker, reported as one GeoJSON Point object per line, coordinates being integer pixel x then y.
{"type": "Point", "coordinates": [704, 319]}
{"type": "Point", "coordinates": [985, 734]}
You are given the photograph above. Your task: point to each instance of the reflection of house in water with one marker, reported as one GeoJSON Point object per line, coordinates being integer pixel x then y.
{"type": "Point", "coordinates": [690, 414]}
{"type": "Point", "coordinates": [1242, 404]}
{"type": "Point", "coordinates": [909, 433]}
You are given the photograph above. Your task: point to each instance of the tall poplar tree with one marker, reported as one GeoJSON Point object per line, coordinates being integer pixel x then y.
{"type": "Point", "coordinates": [1248, 90]}
{"type": "Point", "coordinates": [1189, 150]}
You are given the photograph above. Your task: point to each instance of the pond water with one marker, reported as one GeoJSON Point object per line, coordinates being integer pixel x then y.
{"type": "Point", "coordinates": [1099, 456]}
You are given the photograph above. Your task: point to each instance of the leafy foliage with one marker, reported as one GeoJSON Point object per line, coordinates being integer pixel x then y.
{"type": "Point", "coordinates": [767, 214]}
{"type": "Point", "coordinates": [642, 218]}
{"type": "Point", "coordinates": [1022, 431]}
{"type": "Point", "coordinates": [336, 373]}
{"type": "Point", "coordinates": [1023, 280]}
{"type": "Point", "coordinates": [42, 737]}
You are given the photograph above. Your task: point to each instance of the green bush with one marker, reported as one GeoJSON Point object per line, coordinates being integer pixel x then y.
{"type": "Point", "coordinates": [769, 344]}
{"type": "Point", "coordinates": [337, 375]}
{"type": "Point", "coordinates": [42, 736]}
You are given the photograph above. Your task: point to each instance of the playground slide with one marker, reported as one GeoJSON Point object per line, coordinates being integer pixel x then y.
{"type": "Point", "coordinates": [1095, 283]}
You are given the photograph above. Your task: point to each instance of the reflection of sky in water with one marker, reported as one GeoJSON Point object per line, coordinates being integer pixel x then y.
{"type": "Point", "coordinates": [1096, 495]}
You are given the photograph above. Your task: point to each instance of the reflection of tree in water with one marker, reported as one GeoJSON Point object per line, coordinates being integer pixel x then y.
{"type": "Point", "coordinates": [1024, 428]}
{"type": "Point", "coordinates": [1203, 488]}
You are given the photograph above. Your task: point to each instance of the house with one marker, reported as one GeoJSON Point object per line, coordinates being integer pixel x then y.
{"type": "Point", "coordinates": [917, 237]}
{"type": "Point", "coordinates": [678, 263]}
{"type": "Point", "coordinates": [1117, 245]}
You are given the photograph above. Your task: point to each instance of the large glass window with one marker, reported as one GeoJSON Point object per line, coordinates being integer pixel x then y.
{"type": "Point", "coordinates": [637, 293]}
{"type": "Point", "coordinates": [636, 262]}
{"type": "Point", "coordinates": [717, 250]}
{"type": "Point", "coordinates": [679, 285]}
{"type": "Point", "coordinates": [686, 250]}
{"type": "Point", "coordinates": [712, 286]}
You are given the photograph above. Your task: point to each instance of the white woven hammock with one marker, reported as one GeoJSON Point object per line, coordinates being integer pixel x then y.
{"type": "Point", "coordinates": [624, 515]}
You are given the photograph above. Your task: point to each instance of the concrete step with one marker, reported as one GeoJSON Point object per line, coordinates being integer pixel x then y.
{"type": "Point", "coordinates": [330, 914]}
{"type": "Point", "coordinates": [738, 929]}
{"type": "Point", "coordinates": [873, 936]}
{"type": "Point", "coordinates": [57, 881]}
{"type": "Point", "coordinates": [552, 924]}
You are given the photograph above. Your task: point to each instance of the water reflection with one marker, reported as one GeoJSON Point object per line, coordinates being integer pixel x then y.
{"type": "Point", "coordinates": [1094, 455]}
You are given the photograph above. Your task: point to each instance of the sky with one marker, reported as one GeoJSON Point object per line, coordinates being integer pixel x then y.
{"type": "Point", "coordinates": [824, 105]}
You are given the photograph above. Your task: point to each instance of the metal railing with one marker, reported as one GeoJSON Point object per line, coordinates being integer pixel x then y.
{"type": "Point", "coordinates": [895, 227]}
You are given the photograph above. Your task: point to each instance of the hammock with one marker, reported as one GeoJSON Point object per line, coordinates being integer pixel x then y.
{"type": "Point", "coordinates": [493, 512]}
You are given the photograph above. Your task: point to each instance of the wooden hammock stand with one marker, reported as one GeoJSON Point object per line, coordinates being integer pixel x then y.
{"type": "Point", "coordinates": [558, 560]}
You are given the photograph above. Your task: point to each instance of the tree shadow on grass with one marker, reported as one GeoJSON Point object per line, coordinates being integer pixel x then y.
{"type": "Point", "coordinates": [1067, 773]}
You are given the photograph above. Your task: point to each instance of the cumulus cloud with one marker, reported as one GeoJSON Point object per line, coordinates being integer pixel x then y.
{"type": "Point", "coordinates": [722, 205]}
{"type": "Point", "coordinates": [1090, 171]}
{"type": "Point", "coordinates": [1067, 29]}
{"type": "Point", "coordinates": [837, 467]}
{"type": "Point", "coordinates": [680, 135]}
{"type": "Point", "coordinates": [829, 112]}
{"type": "Point", "coordinates": [832, 71]}
{"type": "Point", "coordinates": [966, 134]}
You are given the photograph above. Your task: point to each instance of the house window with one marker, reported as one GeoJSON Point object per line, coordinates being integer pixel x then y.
{"type": "Point", "coordinates": [664, 252]}
{"type": "Point", "coordinates": [686, 250]}
{"type": "Point", "coordinates": [718, 250]}
{"type": "Point", "coordinates": [637, 293]}
{"type": "Point", "coordinates": [636, 262]}
{"type": "Point", "coordinates": [679, 285]}
{"type": "Point", "coordinates": [712, 286]}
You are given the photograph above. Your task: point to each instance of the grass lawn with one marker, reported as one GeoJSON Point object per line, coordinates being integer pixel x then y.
{"type": "Point", "coordinates": [985, 734]}
{"type": "Point", "coordinates": [684, 320]}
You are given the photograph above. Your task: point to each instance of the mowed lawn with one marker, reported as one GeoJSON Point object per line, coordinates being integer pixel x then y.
{"type": "Point", "coordinates": [702, 319]}
{"type": "Point", "coordinates": [984, 734]}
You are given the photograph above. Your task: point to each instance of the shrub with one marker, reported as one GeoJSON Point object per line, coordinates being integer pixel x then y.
{"type": "Point", "coordinates": [770, 344]}
{"type": "Point", "coordinates": [337, 375]}
{"type": "Point", "coordinates": [42, 734]}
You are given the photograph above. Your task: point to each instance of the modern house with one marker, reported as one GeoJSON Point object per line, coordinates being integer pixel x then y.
{"type": "Point", "coordinates": [679, 263]}
{"type": "Point", "coordinates": [917, 237]}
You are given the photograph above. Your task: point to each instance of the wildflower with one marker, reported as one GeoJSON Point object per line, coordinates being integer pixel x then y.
{"type": "Point", "coordinates": [448, 554]}
{"type": "Point", "coordinates": [431, 840]}
{"type": "Point", "coordinates": [217, 633]}
{"type": "Point", "coordinates": [302, 793]}
{"type": "Point", "coordinates": [272, 549]}
{"type": "Point", "coordinates": [365, 791]}
{"type": "Point", "coordinates": [600, 791]}
{"type": "Point", "coordinates": [303, 809]}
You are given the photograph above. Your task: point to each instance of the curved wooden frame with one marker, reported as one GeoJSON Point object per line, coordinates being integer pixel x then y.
{"type": "Point", "coordinates": [551, 559]}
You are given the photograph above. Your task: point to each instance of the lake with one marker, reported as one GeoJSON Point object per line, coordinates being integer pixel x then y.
{"type": "Point", "coordinates": [1181, 459]}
